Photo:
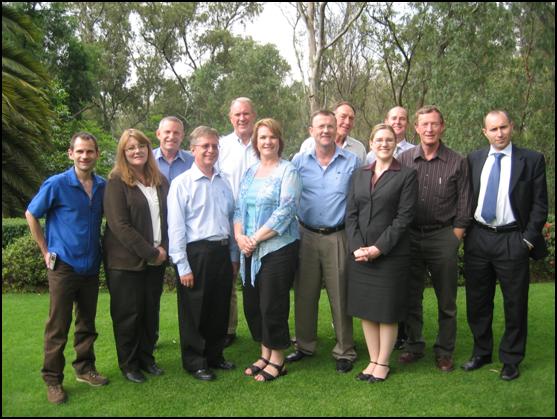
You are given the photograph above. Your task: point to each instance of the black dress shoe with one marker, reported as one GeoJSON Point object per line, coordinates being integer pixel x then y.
{"type": "Point", "coordinates": [296, 356]}
{"type": "Point", "coordinates": [223, 365]}
{"type": "Point", "coordinates": [153, 369]}
{"type": "Point", "coordinates": [228, 339]}
{"type": "Point", "coordinates": [203, 374]}
{"type": "Point", "coordinates": [344, 365]}
{"type": "Point", "coordinates": [135, 376]}
{"type": "Point", "coordinates": [476, 362]}
{"type": "Point", "coordinates": [509, 372]}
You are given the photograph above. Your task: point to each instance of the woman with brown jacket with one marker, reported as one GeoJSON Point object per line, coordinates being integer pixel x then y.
{"type": "Point", "coordinates": [135, 252]}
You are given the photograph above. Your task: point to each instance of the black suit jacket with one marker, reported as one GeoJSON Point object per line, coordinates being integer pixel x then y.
{"type": "Point", "coordinates": [381, 217]}
{"type": "Point", "coordinates": [527, 192]}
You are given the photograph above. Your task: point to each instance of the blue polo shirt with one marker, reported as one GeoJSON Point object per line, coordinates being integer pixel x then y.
{"type": "Point", "coordinates": [73, 221]}
{"type": "Point", "coordinates": [324, 190]}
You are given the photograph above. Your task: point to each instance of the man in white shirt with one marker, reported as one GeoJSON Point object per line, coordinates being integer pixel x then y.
{"type": "Point", "coordinates": [345, 115]}
{"type": "Point", "coordinates": [397, 118]}
{"type": "Point", "coordinates": [200, 214]}
{"type": "Point", "coordinates": [236, 155]}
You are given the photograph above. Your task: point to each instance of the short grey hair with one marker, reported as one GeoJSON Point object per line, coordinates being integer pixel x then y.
{"type": "Point", "coordinates": [171, 119]}
{"type": "Point", "coordinates": [203, 131]}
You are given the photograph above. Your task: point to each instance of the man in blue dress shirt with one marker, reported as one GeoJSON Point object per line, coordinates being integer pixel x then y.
{"type": "Point", "coordinates": [325, 171]}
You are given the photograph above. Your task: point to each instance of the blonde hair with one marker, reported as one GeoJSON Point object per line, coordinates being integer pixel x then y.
{"type": "Point", "coordinates": [379, 127]}
{"type": "Point", "coordinates": [153, 176]}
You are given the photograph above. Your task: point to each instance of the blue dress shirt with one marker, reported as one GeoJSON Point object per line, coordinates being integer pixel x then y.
{"type": "Point", "coordinates": [323, 202]}
{"type": "Point", "coordinates": [179, 165]}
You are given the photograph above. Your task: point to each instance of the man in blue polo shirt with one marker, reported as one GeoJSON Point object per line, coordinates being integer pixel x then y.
{"type": "Point", "coordinates": [325, 171]}
{"type": "Point", "coordinates": [72, 204]}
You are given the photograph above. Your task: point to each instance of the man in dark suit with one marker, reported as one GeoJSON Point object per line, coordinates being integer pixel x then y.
{"type": "Point", "coordinates": [510, 209]}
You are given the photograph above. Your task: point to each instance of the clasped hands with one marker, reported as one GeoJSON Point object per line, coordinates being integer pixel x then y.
{"type": "Point", "coordinates": [366, 254]}
{"type": "Point", "coordinates": [246, 244]}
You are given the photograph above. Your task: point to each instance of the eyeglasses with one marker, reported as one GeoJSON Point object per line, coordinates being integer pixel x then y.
{"type": "Point", "coordinates": [135, 148]}
{"type": "Point", "coordinates": [206, 147]}
{"type": "Point", "coordinates": [384, 141]}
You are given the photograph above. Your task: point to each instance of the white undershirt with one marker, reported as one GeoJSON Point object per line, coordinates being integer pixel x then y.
{"type": "Point", "coordinates": [152, 197]}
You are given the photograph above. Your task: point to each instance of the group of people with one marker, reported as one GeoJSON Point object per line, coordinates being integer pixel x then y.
{"type": "Point", "coordinates": [367, 227]}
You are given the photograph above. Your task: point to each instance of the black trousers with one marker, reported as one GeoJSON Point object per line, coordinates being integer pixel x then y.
{"type": "Point", "coordinates": [267, 304]}
{"type": "Point", "coordinates": [203, 310]}
{"type": "Point", "coordinates": [134, 303]}
{"type": "Point", "coordinates": [489, 256]}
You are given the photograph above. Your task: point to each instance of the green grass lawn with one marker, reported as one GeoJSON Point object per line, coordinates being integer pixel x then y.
{"type": "Point", "coordinates": [311, 388]}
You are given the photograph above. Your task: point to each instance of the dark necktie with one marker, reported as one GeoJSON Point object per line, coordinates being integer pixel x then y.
{"type": "Point", "coordinates": [489, 209]}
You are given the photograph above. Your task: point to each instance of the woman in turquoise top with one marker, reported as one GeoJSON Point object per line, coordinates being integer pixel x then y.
{"type": "Point", "coordinates": [266, 229]}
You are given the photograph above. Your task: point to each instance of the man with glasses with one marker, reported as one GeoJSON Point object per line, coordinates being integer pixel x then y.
{"type": "Point", "coordinates": [200, 216]}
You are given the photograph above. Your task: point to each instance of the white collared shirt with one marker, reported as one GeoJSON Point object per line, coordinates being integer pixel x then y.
{"type": "Point", "coordinates": [504, 211]}
{"type": "Point", "coordinates": [199, 208]}
{"type": "Point", "coordinates": [235, 158]}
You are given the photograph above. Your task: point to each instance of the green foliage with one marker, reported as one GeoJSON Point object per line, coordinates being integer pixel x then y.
{"type": "Point", "coordinates": [23, 267]}
{"type": "Point", "coordinates": [13, 228]}
{"type": "Point", "coordinates": [26, 112]}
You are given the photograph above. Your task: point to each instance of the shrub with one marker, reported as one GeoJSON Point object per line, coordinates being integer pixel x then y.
{"type": "Point", "coordinates": [12, 228]}
{"type": "Point", "coordinates": [23, 266]}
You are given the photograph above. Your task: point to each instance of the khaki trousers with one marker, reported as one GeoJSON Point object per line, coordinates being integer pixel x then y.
{"type": "Point", "coordinates": [322, 260]}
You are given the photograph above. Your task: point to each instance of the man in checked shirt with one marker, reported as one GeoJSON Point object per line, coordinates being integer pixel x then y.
{"type": "Point", "coordinates": [442, 214]}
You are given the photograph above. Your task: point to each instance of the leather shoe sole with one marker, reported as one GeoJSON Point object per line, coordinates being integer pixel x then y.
{"type": "Point", "coordinates": [476, 362]}
{"type": "Point", "coordinates": [203, 374]}
{"type": "Point", "coordinates": [296, 356]}
{"type": "Point", "coordinates": [509, 372]}
{"type": "Point", "coordinates": [224, 365]}
{"type": "Point", "coordinates": [154, 369]}
{"type": "Point", "coordinates": [343, 365]}
{"type": "Point", "coordinates": [135, 377]}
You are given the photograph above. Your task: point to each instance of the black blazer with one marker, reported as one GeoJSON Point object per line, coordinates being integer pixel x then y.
{"type": "Point", "coordinates": [381, 217]}
{"type": "Point", "coordinates": [528, 192]}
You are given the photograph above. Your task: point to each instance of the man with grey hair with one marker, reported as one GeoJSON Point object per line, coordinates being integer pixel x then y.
{"type": "Point", "coordinates": [236, 155]}
{"type": "Point", "coordinates": [345, 114]}
{"type": "Point", "coordinates": [171, 159]}
{"type": "Point", "coordinates": [200, 215]}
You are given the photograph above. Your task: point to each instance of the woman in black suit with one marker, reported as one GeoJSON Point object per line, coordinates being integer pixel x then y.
{"type": "Point", "coordinates": [379, 211]}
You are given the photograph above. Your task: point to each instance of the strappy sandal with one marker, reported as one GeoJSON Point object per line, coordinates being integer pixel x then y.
{"type": "Point", "coordinates": [365, 377]}
{"type": "Point", "coordinates": [374, 379]}
{"type": "Point", "coordinates": [269, 377]}
{"type": "Point", "coordinates": [254, 369]}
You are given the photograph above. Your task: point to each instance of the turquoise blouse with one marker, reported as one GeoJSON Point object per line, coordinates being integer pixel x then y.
{"type": "Point", "coordinates": [276, 205]}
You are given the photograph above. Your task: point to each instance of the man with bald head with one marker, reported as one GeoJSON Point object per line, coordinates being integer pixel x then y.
{"type": "Point", "coordinates": [397, 118]}
{"type": "Point", "coordinates": [510, 209]}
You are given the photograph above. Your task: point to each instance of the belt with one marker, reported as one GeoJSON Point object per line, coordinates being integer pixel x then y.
{"type": "Point", "coordinates": [222, 242]}
{"type": "Point", "coordinates": [499, 229]}
{"type": "Point", "coordinates": [429, 228]}
{"type": "Point", "coordinates": [323, 230]}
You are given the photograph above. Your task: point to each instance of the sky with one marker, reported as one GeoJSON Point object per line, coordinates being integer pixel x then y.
{"type": "Point", "coordinates": [271, 26]}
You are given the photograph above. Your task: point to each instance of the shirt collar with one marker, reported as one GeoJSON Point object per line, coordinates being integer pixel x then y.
{"type": "Point", "coordinates": [197, 174]}
{"type": "Point", "coordinates": [507, 151]}
{"type": "Point", "coordinates": [441, 152]}
{"type": "Point", "coordinates": [394, 167]}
